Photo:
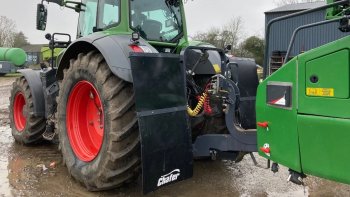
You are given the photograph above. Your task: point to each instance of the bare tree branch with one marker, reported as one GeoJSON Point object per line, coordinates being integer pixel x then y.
{"type": "Point", "coordinates": [228, 34]}
{"type": "Point", "coordinates": [7, 31]}
{"type": "Point", "coordinates": [232, 32]}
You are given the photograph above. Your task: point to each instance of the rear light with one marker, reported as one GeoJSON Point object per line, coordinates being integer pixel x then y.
{"type": "Point", "coordinates": [136, 49]}
{"type": "Point", "coordinates": [140, 48]}
{"type": "Point", "coordinates": [263, 124]}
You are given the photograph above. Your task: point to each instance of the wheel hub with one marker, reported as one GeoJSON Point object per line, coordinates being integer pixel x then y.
{"type": "Point", "coordinates": [18, 111]}
{"type": "Point", "coordinates": [85, 121]}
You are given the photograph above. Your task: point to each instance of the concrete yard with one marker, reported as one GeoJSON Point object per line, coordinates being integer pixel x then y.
{"type": "Point", "coordinates": [22, 174]}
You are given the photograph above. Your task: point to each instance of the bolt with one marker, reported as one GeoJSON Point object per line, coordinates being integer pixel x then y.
{"type": "Point", "coordinates": [91, 123]}
{"type": "Point", "coordinates": [91, 95]}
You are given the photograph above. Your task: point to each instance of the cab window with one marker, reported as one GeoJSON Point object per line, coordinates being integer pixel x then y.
{"type": "Point", "coordinates": [108, 13]}
{"type": "Point", "coordinates": [98, 15]}
{"type": "Point", "coordinates": [87, 18]}
{"type": "Point", "coordinates": [157, 20]}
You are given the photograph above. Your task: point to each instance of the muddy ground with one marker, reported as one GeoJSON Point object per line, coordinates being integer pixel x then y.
{"type": "Point", "coordinates": [21, 173]}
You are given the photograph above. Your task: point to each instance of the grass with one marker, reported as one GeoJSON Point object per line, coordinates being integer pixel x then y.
{"type": "Point", "coordinates": [13, 75]}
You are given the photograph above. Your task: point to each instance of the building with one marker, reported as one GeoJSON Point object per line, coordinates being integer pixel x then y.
{"type": "Point", "coordinates": [6, 67]}
{"type": "Point", "coordinates": [33, 54]}
{"type": "Point", "coordinates": [281, 32]}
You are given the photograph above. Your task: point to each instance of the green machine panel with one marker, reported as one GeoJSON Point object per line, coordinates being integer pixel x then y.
{"type": "Point", "coordinates": [276, 107]}
{"type": "Point", "coordinates": [324, 80]}
{"type": "Point", "coordinates": [324, 146]}
{"type": "Point", "coordinates": [310, 133]}
{"type": "Point", "coordinates": [328, 76]}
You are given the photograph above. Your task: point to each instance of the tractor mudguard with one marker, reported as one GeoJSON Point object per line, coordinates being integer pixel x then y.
{"type": "Point", "coordinates": [114, 48]}
{"type": "Point", "coordinates": [204, 67]}
{"type": "Point", "coordinates": [245, 85]}
{"type": "Point", "coordinates": [244, 73]}
{"type": "Point", "coordinates": [160, 98]}
{"type": "Point", "coordinates": [36, 88]}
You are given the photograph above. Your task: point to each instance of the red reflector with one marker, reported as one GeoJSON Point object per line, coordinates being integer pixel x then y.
{"type": "Point", "coordinates": [263, 124]}
{"type": "Point", "coordinates": [136, 49]}
{"type": "Point", "coordinates": [265, 150]}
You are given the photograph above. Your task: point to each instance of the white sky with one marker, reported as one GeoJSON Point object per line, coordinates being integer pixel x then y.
{"type": "Point", "coordinates": [200, 14]}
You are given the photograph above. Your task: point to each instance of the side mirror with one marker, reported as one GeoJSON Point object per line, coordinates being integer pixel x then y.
{"type": "Point", "coordinates": [41, 17]}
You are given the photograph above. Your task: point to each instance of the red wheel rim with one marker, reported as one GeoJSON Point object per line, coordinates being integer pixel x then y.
{"type": "Point", "coordinates": [85, 121]}
{"type": "Point", "coordinates": [18, 106]}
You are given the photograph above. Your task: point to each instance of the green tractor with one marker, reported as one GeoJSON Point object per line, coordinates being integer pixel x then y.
{"type": "Point", "coordinates": [49, 55]}
{"type": "Point", "coordinates": [302, 109]}
{"type": "Point", "coordinates": [132, 94]}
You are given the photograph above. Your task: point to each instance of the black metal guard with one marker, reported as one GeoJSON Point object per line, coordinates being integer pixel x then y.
{"type": "Point", "coordinates": [221, 52]}
{"type": "Point", "coordinates": [160, 99]}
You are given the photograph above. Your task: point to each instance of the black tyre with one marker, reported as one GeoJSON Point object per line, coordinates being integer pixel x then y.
{"type": "Point", "coordinates": [97, 124]}
{"type": "Point", "coordinates": [26, 128]}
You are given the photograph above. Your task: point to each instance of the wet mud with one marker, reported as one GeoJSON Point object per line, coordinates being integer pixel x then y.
{"type": "Point", "coordinates": [38, 171]}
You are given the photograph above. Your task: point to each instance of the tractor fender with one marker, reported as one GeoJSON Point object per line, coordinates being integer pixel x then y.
{"type": "Point", "coordinates": [114, 48]}
{"type": "Point", "coordinates": [36, 88]}
{"type": "Point", "coordinates": [204, 68]}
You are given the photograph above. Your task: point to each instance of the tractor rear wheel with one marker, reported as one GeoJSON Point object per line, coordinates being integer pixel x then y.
{"type": "Point", "coordinates": [26, 128]}
{"type": "Point", "coordinates": [97, 124]}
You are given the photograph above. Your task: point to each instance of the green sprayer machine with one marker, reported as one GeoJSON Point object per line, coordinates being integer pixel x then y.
{"type": "Point", "coordinates": [10, 57]}
{"type": "Point", "coordinates": [15, 56]}
{"type": "Point", "coordinates": [302, 117]}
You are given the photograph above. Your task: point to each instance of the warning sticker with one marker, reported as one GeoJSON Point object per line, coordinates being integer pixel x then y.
{"type": "Point", "coordinates": [326, 92]}
{"type": "Point", "coordinates": [217, 68]}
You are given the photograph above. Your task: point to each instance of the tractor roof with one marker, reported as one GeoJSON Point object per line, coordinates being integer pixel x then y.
{"type": "Point", "coordinates": [297, 7]}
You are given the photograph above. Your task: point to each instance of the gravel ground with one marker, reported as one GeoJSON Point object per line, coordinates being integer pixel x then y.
{"type": "Point", "coordinates": [22, 174]}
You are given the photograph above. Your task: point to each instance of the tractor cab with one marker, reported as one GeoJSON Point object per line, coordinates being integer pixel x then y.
{"type": "Point", "coordinates": [159, 22]}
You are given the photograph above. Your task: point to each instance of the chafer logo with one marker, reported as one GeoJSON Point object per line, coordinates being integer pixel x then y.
{"type": "Point", "coordinates": [170, 177]}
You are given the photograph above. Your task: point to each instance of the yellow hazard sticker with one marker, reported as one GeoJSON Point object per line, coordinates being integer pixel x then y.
{"type": "Point", "coordinates": [326, 92]}
{"type": "Point", "coordinates": [217, 68]}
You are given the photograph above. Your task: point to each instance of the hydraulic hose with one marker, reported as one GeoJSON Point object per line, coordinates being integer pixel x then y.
{"type": "Point", "coordinates": [197, 109]}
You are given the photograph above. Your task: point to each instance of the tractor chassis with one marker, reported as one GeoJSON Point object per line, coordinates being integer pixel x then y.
{"type": "Point", "coordinates": [159, 82]}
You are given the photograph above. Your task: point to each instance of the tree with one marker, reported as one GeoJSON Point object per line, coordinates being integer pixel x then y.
{"type": "Point", "coordinates": [232, 33]}
{"type": "Point", "coordinates": [254, 46]}
{"type": "Point", "coordinates": [212, 36]}
{"type": "Point", "coordinates": [20, 40]}
{"type": "Point", "coordinates": [7, 31]}
{"type": "Point", "coordinates": [228, 34]}
{"type": "Point", "coordinates": [286, 2]}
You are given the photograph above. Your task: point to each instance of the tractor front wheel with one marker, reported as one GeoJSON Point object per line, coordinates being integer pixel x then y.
{"type": "Point", "coordinates": [26, 127]}
{"type": "Point", "coordinates": [97, 124]}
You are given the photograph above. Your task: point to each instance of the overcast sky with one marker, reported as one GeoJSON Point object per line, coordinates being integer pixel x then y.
{"type": "Point", "coordinates": [200, 14]}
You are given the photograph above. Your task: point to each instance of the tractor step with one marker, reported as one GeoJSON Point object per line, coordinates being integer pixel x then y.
{"type": "Point", "coordinates": [50, 132]}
